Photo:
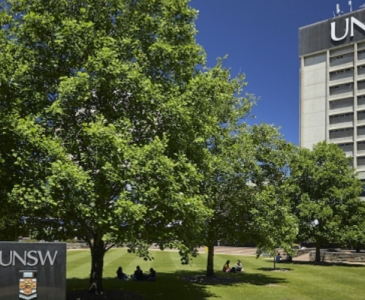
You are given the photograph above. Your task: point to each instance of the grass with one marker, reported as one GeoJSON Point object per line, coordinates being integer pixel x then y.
{"type": "Point", "coordinates": [301, 281]}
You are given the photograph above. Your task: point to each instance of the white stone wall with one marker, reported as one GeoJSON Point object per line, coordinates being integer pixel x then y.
{"type": "Point", "coordinates": [338, 256]}
{"type": "Point", "coordinates": [313, 95]}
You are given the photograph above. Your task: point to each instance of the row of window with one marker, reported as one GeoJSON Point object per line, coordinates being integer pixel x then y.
{"type": "Point", "coordinates": [346, 133]}
{"type": "Point", "coordinates": [346, 58]}
{"type": "Point", "coordinates": [346, 103]}
{"type": "Point", "coordinates": [347, 117]}
{"type": "Point", "coordinates": [346, 88]}
{"type": "Point", "coordinates": [346, 73]}
{"type": "Point", "coordinates": [349, 145]}
{"type": "Point", "coordinates": [349, 148]}
{"type": "Point", "coordinates": [360, 160]}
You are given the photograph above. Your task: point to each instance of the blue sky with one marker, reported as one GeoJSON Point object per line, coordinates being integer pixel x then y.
{"type": "Point", "coordinates": [261, 40]}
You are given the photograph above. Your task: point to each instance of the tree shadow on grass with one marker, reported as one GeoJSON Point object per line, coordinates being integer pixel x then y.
{"type": "Point", "coordinates": [276, 269]}
{"type": "Point", "coordinates": [231, 278]}
{"type": "Point", "coordinates": [77, 284]}
{"type": "Point", "coordinates": [167, 286]}
{"type": "Point", "coordinates": [179, 285]}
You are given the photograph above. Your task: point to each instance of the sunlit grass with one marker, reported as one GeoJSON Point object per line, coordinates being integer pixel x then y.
{"type": "Point", "coordinates": [299, 282]}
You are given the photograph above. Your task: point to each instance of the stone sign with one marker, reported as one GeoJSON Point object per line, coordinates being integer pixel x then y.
{"type": "Point", "coordinates": [32, 271]}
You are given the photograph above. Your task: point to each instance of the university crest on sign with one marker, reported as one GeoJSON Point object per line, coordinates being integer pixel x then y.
{"type": "Point", "coordinates": [28, 286]}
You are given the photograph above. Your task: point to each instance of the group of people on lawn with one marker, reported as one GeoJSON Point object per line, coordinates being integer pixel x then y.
{"type": "Point", "coordinates": [137, 275]}
{"type": "Point", "coordinates": [237, 268]}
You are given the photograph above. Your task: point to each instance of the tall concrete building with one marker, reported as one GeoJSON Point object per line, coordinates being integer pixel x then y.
{"type": "Point", "coordinates": [332, 85]}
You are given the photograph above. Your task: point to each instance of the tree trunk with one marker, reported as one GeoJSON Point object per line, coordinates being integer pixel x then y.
{"type": "Point", "coordinates": [274, 262]}
{"type": "Point", "coordinates": [210, 260]}
{"type": "Point", "coordinates": [358, 247]}
{"type": "Point", "coordinates": [318, 251]}
{"type": "Point", "coordinates": [97, 263]}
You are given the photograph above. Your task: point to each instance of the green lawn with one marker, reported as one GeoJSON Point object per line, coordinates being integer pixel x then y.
{"type": "Point", "coordinates": [300, 282]}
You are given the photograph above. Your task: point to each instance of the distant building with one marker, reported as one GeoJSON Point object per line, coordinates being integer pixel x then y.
{"type": "Point", "coordinates": [332, 85]}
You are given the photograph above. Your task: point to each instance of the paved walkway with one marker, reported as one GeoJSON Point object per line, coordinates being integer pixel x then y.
{"type": "Point", "coordinates": [222, 250]}
{"type": "Point", "coordinates": [304, 257]}
{"type": "Point", "coordinates": [248, 251]}
{"type": "Point", "coordinates": [251, 251]}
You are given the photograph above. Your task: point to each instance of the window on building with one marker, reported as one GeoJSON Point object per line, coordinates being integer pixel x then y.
{"type": "Point", "coordinates": [361, 85]}
{"type": "Point", "coordinates": [361, 55]}
{"type": "Point", "coordinates": [341, 59]}
{"type": "Point", "coordinates": [341, 118]}
{"type": "Point", "coordinates": [347, 147]}
{"type": "Point", "coordinates": [360, 147]}
{"type": "Point", "coordinates": [361, 131]}
{"type": "Point", "coordinates": [361, 70]}
{"type": "Point", "coordinates": [343, 133]}
{"type": "Point", "coordinates": [342, 104]}
{"type": "Point", "coordinates": [361, 101]}
{"type": "Point", "coordinates": [361, 115]}
{"type": "Point", "coordinates": [342, 88]}
{"type": "Point", "coordinates": [342, 74]}
{"type": "Point", "coordinates": [361, 161]}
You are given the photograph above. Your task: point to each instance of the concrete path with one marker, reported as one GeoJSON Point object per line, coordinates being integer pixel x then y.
{"type": "Point", "coordinates": [245, 251]}
{"type": "Point", "coordinates": [304, 257]}
{"type": "Point", "coordinates": [250, 251]}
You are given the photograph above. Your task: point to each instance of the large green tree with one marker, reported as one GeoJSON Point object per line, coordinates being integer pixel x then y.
{"type": "Point", "coordinates": [10, 215]}
{"type": "Point", "coordinates": [354, 224]}
{"type": "Point", "coordinates": [323, 191]}
{"type": "Point", "coordinates": [109, 111]}
{"type": "Point", "coordinates": [246, 188]}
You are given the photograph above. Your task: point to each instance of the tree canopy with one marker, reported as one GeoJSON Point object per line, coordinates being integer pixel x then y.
{"type": "Point", "coordinates": [246, 190]}
{"type": "Point", "coordinates": [106, 107]}
{"type": "Point", "coordinates": [323, 190]}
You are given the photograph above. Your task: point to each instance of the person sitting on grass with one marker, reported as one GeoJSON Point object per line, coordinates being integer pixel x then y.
{"type": "Point", "coordinates": [239, 267]}
{"type": "Point", "coordinates": [121, 275]}
{"type": "Point", "coordinates": [278, 257]}
{"type": "Point", "coordinates": [227, 269]}
{"type": "Point", "coordinates": [138, 274]}
{"type": "Point", "coordinates": [152, 275]}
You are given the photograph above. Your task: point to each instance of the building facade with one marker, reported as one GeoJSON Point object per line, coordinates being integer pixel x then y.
{"type": "Point", "coordinates": [332, 85]}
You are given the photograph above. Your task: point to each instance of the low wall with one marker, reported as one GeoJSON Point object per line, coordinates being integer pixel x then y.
{"type": "Point", "coordinates": [339, 256]}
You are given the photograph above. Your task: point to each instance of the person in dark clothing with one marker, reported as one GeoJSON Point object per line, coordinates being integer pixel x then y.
{"type": "Point", "coordinates": [226, 268]}
{"type": "Point", "coordinates": [121, 275]}
{"type": "Point", "coordinates": [278, 257]}
{"type": "Point", "coordinates": [152, 275]}
{"type": "Point", "coordinates": [138, 274]}
{"type": "Point", "coordinates": [239, 266]}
